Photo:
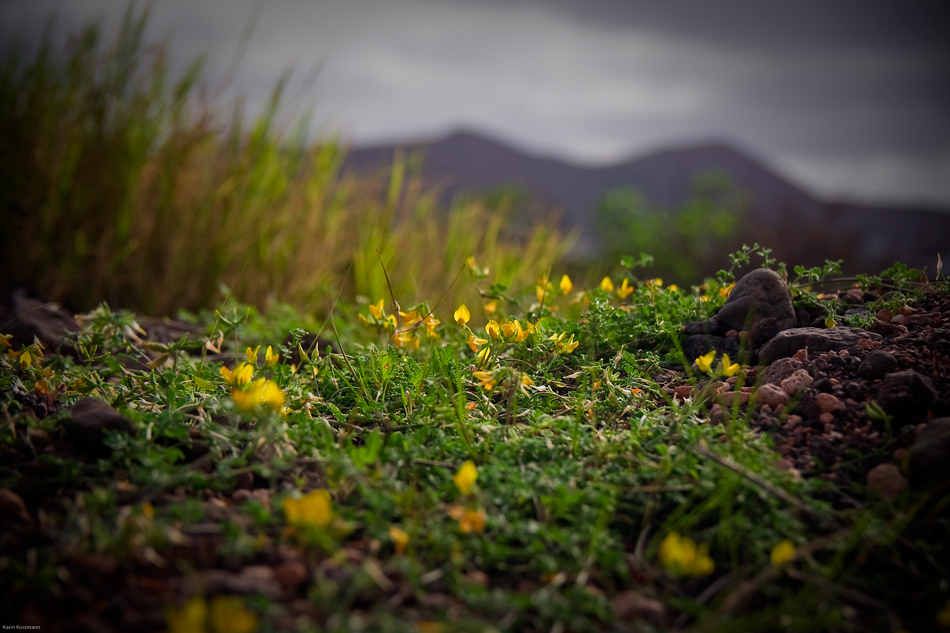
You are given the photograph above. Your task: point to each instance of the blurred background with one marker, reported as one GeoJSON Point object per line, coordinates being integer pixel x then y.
{"type": "Point", "coordinates": [151, 153]}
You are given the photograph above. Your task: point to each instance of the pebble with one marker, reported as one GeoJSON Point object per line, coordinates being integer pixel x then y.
{"type": "Point", "coordinates": [771, 396]}
{"type": "Point", "coordinates": [240, 495]}
{"type": "Point", "coordinates": [886, 481]}
{"type": "Point", "coordinates": [291, 573]}
{"type": "Point", "coordinates": [798, 381]}
{"type": "Point", "coordinates": [826, 418]}
{"type": "Point", "coordinates": [682, 392]}
{"type": "Point", "coordinates": [828, 403]}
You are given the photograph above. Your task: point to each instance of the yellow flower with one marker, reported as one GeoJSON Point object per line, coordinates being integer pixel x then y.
{"type": "Point", "coordinates": [465, 478]}
{"type": "Point", "coordinates": [655, 283]}
{"type": "Point", "coordinates": [830, 322]}
{"type": "Point", "coordinates": [724, 292]}
{"type": "Point", "coordinates": [485, 377]}
{"type": "Point", "coordinates": [270, 358]}
{"type": "Point", "coordinates": [483, 354]}
{"type": "Point", "coordinates": [566, 286]}
{"type": "Point", "coordinates": [314, 509]}
{"type": "Point", "coordinates": [26, 359]}
{"type": "Point", "coordinates": [376, 309]}
{"type": "Point", "coordinates": [511, 330]}
{"type": "Point", "coordinates": [240, 376]}
{"type": "Point", "coordinates": [493, 330]}
{"type": "Point", "coordinates": [542, 288]}
{"type": "Point", "coordinates": [228, 615]}
{"type": "Point", "coordinates": [492, 306]}
{"type": "Point", "coordinates": [5, 340]}
{"type": "Point", "coordinates": [728, 367]}
{"type": "Point", "coordinates": [569, 345]}
{"type": "Point", "coordinates": [409, 318]}
{"type": "Point", "coordinates": [190, 618]}
{"type": "Point", "coordinates": [474, 342]}
{"type": "Point", "coordinates": [400, 538]}
{"type": "Point", "coordinates": [673, 288]}
{"type": "Point", "coordinates": [526, 332]}
{"type": "Point", "coordinates": [782, 553]}
{"type": "Point", "coordinates": [262, 393]}
{"type": "Point", "coordinates": [431, 322]}
{"type": "Point", "coordinates": [363, 320]}
{"type": "Point", "coordinates": [625, 289]}
{"type": "Point", "coordinates": [469, 520]}
{"type": "Point", "coordinates": [462, 315]}
{"type": "Point", "coordinates": [606, 285]}
{"type": "Point", "coordinates": [405, 340]}
{"type": "Point", "coordinates": [680, 555]}
{"type": "Point", "coordinates": [252, 355]}
{"type": "Point", "coordinates": [705, 362]}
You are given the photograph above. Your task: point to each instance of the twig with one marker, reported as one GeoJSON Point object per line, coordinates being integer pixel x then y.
{"type": "Point", "coordinates": [432, 462]}
{"type": "Point", "coordinates": [762, 483]}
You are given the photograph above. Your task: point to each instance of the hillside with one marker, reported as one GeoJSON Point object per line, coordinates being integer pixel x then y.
{"type": "Point", "coordinates": [800, 225]}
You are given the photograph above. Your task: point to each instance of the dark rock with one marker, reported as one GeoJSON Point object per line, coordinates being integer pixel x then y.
{"type": "Point", "coordinates": [885, 480]}
{"type": "Point", "coordinates": [631, 606]}
{"type": "Point", "coordinates": [939, 339]}
{"type": "Point", "coordinates": [762, 332]}
{"type": "Point", "coordinates": [780, 370]}
{"type": "Point", "coordinates": [906, 395]}
{"type": "Point", "coordinates": [807, 408]}
{"type": "Point", "coordinates": [877, 364]}
{"type": "Point", "coordinates": [700, 344]}
{"type": "Point", "coordinates": [823, 385]}
{"type": "Point", "coordinates": [928, 461]}
{"type": "Point", "coordinates": [788, 342]}
{"type": "Point", "coordinates": [89, 419]}
{"type": "Point", "coordinates": [29, 318]}
{"type": "Point", "coordinates": [761, 294]}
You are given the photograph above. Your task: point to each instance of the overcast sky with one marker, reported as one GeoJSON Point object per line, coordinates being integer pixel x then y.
{"type": "Point", "coordinates": [848, 98]}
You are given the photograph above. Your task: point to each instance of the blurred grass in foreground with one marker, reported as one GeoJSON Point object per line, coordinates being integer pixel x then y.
{"type": "Point", "coordinates": [120, 182]}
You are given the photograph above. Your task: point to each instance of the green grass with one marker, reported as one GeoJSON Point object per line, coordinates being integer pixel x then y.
{"type": "Point", "coordinates": [124, 183]}
{"type": "Point", "coordinates": [581, 475]}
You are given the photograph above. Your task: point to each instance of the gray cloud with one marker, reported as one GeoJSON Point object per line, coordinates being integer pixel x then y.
{"type": "Point", "coordinates": [849, 98]}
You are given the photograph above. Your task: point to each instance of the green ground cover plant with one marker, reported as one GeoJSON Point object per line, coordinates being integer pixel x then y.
{"type": "Point", "coordinates": [468, 441]}
{"type": "Point", "coordinates": [516, 476]}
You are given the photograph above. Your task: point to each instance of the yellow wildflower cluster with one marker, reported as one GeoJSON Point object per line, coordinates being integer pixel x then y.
{"type": "Point", "coordinates": [465, 478]}
{"type": "Point", "coordinates": [783, 553]}
{"type": "Point", "coordinates": [225, 614]}
{"type": "Point", "coordinates": [470, 520]}
{"type": "Point", "coordinates": [542, 288]}
{"type": "Point", "coordinates": [412, 320]}
{"type": "Point", "coordinates": [25, 358]}
{"type": "Point", "coordinates": [399, 538]}
{"type": "Point", "coordinates": [313, 510]}
{"type": "Point", "coordinates": [377, 317]}
{"type": "Point", "coordinates": [260, 393]}
{"type": "Point", "coordinates": [680, 555]}
{"type": "Point", "coordinates": [726, 366]}
{"type": "Point", "coordinates": [270, 358]}
{"type": "Point", "coordinates": [563, 343]}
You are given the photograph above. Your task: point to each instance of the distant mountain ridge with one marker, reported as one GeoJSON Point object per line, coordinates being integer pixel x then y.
{"type": "Point", "coordinates": [469, 162]}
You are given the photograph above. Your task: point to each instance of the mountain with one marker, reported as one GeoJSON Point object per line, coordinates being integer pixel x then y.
{"type": "Point", "coordinates": [803, 228]}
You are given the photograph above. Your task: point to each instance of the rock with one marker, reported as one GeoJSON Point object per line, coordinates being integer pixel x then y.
{"type": "Point", "coordinates": [877, 364]}
{"type": "Point", "coordinates": [888, 330]}
{"type": "Point", "coordinates": [29, 318]}
{"type": "Point", "coordinates": [89, 419]}
{"type": "Point", "coordinates": [928, 460]}
{"type": "Point", "coordinates": [763, 331]}
{"type": "Point", "coordinates": [798, 381]}
{"type": "Point", "coordinates": [632, 605]}
{"type": "Point", "coordinates": [240, 495]}
{"type": "Point", "coordinates": [12, 504]}
{"type": "Point", "coordinates": [291, 573]}
{"type": "Point", "coordinates": [788, 342]}
{"type": "Point", "coordinates": [699, 344]}
{"type": "Point", "coordinates": [780, 370]}
{"type": "Point", "coordinates": [828, 403]}
{"type": "Point", "coordinates": [906, 395]}
{"type": "Point", "coordinates": [885, 480]}
{"type": "Point", "coordinates": [771, 395]}
{"type": "Point", "coordinates": [761, 294]}
{"type": "Point", "coordinates": [682, 392]}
